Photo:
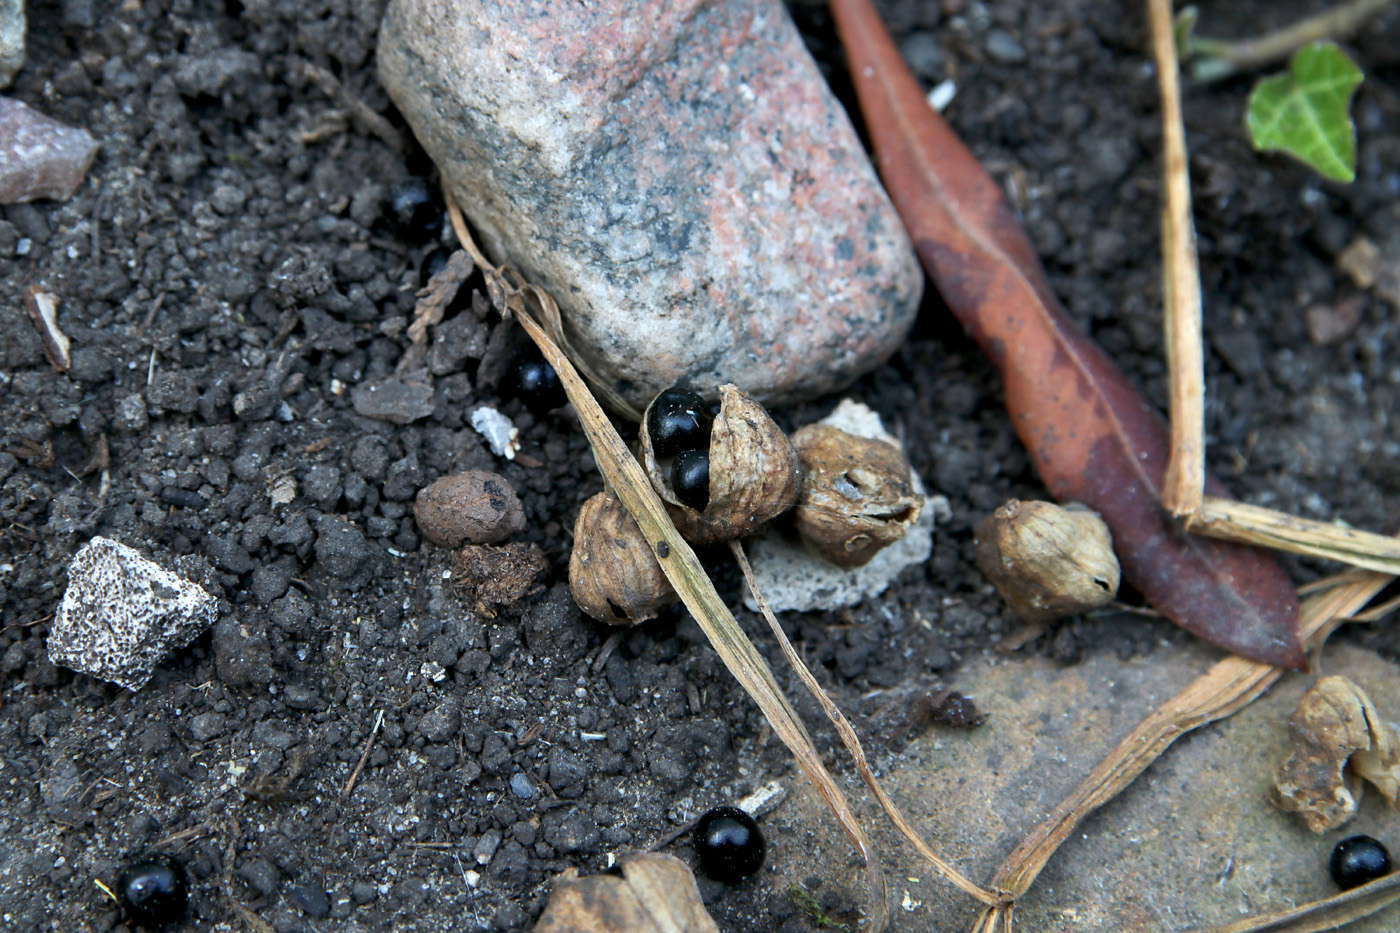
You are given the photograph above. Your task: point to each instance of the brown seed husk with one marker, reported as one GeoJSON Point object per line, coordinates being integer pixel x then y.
{"type": "Point", "coordinates": [755, 474]}
{"type": "Point", "coordinates": [857, 495]}
{"type": "Point", "coordinates": [653, 893]}
{"type": "Point", "coordinates": [1046, 560]}
{"type": "Point", "coordinates": [613, 573]}
{"type": "Point", "coordinates": [1336, 724]}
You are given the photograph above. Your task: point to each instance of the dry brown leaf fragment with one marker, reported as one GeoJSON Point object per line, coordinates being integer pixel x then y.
{"type": "Point", "coordinates": [498, 575]}
{"type": "Point", "coordinates": [1336, 725]}
{"type": "Point", "coordinates": [755, 474]}
{"type": "Point", "coordinates": [1046, 560]}
{"type": "Point", "coordinates": [857, 494]}
{"type": "Point", "coordinates": [613, 573]}
{"type": "Point", "coordinates": [43, 311]}
{"type": "Point", "coordinates": [653, 893]}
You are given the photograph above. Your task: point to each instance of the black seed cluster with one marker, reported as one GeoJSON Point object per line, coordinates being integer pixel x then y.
{"type": "Point", "coordinates": [679, 425]}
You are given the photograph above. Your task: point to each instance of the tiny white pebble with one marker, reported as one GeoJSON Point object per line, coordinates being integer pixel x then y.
{"type": "Point", "coordinates": [499, 431]}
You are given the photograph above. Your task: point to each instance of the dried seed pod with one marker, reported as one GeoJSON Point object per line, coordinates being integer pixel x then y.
{"type": "Point", "coordinates": [613, 573]}
{"type": "Point", "coordinates": [857, 494]}
{"type": "Point", "coordinates": [1046, 560]}
{"type": "Point", "coordinates": [1336, 728]}
{"type": "Point", "coordinates": [755, 474]}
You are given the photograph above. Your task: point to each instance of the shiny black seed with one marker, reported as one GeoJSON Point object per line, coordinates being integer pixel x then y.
{"type": "Point", "coordinates": [1358, 860]}
{"type": "Point", "coordinates": [729, 843]}
{"type": "Point", "coordinates": [414, 211]}
{"type": "Point", "coordinates": [690, 478]}
{"type": "Point", "coordinates": [433, 263]}
{"type": "Point", "coordinates": [678, 421]}
{"type": "Point", "coordinates": [537, 384]}
{"type": "Point", "coordinates": [154, 891]}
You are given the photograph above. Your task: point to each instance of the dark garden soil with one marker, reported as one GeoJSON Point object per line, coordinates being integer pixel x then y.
{"type": "Point", "coordinates": [231, 243]}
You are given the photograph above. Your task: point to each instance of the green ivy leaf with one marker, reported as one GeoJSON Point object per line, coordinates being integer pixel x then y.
{"type": "Point", "coordinates": [1306, 113]}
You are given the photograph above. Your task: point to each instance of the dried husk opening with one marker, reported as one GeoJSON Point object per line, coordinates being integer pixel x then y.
{"type": "Point", "coordinates": [857, 494]}
{"type": "Point", "coordinates": [755, 474]}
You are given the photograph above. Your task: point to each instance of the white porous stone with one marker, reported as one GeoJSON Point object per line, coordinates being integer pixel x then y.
{"type": "Point", "coordinates": [792, 578]}
{"type": "Point", "coordinates": [500, 432]}
{"type": "Point", "coordinates": [122, 613]}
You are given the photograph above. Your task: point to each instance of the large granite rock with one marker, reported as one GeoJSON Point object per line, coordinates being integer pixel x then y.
{"type": "Point", "coordinates": [677, 174]}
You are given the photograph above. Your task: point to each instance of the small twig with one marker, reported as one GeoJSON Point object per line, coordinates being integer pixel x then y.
{"type": "Point", "coordinates": [183, 834]}
{"type": "Point", "coordinates": [1181, 285]}
{"type": "Point", "coordinates": [606, 651]}
{"type": "Point", "coordinates": [1214, 59]}
{"type": "Point", "coordinates": [364, 756]}
{"type": "Point", "coordinates": [362, 112]}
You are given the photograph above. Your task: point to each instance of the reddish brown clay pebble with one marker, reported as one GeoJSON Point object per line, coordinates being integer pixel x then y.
{"type": "Point", "coordinates": [676, 173]}
{"type": "Point", "coordinates": [469, 508]}
{"type": "Point", "coordinates": [40, 157]}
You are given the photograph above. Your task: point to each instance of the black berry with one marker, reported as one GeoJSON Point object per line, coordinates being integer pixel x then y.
{"type": "Point", "coordinates": [730, 844]}
{"type": "Point", "coordinates": [1358, 860]}
{"type": "Point", "coordinates": [537, 384]}
{"type": "Point", "coordinates": [690, 478]}
{"type": "Point", "coordinates": [154, 891]}
{"type": "Point", "coordinates": [433, 263]}
{"type": "Point", "coordinates": [414, 211]}
{"type": "Point", "coordinates": [677, 421]}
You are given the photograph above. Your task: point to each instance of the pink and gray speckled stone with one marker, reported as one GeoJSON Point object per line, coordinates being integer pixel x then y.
{"type": "Point", "coordinates": [675, 172]}
{"type": "Point", "coordinates": [40, 157]}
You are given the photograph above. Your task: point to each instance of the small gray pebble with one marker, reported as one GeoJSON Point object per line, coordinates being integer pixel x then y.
{"type": "Point", "coordinates": [522, 786]}
{"type": "Point", "coordinates": [206, 726]}
{"type": "Point", "coordinates": [1003, 48]}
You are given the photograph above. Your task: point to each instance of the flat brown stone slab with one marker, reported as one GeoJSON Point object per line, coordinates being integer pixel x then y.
{"type": "Point", "coordinates": [678, 175]}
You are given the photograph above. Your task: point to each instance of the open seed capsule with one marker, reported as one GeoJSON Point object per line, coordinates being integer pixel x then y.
{"type": "Point", "coordinates": [755, 474]}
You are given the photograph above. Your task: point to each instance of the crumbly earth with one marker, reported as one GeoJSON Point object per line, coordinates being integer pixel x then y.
{"type": "Point", "coordinates": [228, 277]}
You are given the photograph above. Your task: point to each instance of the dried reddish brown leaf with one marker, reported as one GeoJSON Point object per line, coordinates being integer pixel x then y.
{"type": "Point", "coordinates": [1091, 435]}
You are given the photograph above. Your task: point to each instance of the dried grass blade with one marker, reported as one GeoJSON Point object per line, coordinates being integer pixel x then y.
{"type": "Point", "coordinates": [1251, 524]}
{"type": "Point", "coordinates": [1226, 688]}
{"type": "Point", "coordinates": [624, 475]}
{"type": "Point", "coordinates": [852, 743]}
{"type": "Point", "coordinates": [1327, 914]}
{"type": "Point", "coordinates": [1185, 479]}
{"type": "Point", "coordinates": [996, 920]}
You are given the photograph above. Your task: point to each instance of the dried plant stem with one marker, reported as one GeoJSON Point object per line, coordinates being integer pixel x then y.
{"type": "Point", "coordinates": [1223, 690]}
{"type": "Point", "coordinates": [1327, 914]}
{"type": "Point", "coordinates": [1251, 524]}
{"type": "Point", "coordinates": [852, 743]}
{"type": "Point", "coordinates": [1214, 59]}
{"type": "Point", "coordinates": [625, 477]}
{"type": "Point", "coordinates": [1183, 492]}
{"type": "Point", "coordinates": [1181, 285]}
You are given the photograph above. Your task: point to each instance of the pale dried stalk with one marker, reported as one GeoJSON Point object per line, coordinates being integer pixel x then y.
{"type": "Point", "coordinates": [852, 743]}
{"type": "Point", "coordinates": [1183, 489]}
{"type": "Point", "coordinates": [1214, 59]}
{"type": "Point", "coordinates": [1251, 524]}
{"type": "Point", "coordinates": [1327, 914]}
{"type": "Point", "coordinates": [625, 477]}
{"type": "Point", "coordinates": [1223, 690]}
{"type": "Point", "coordinates": [1181, 284]}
